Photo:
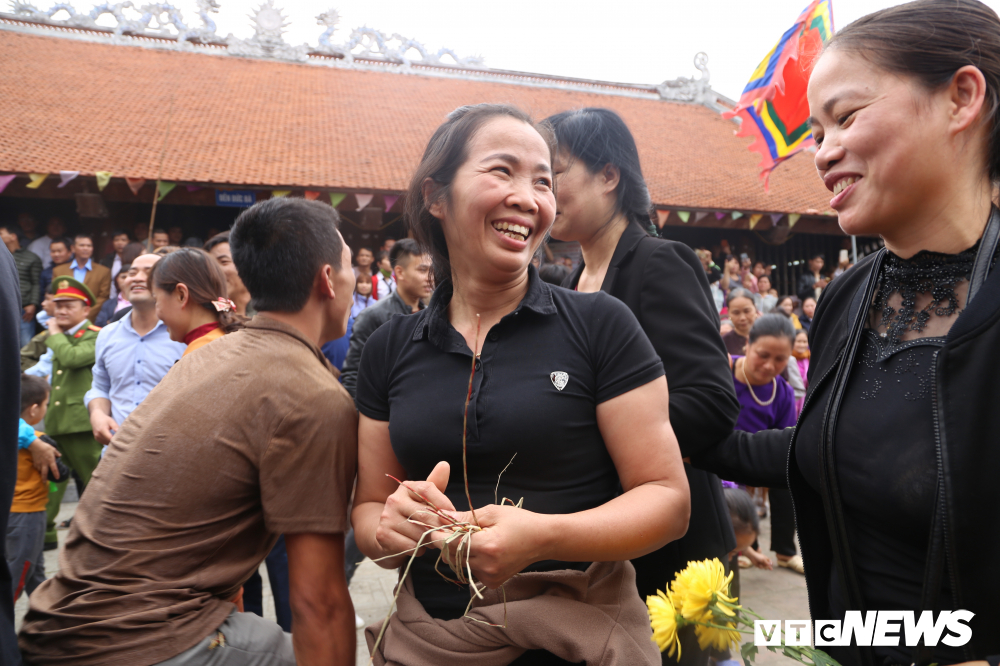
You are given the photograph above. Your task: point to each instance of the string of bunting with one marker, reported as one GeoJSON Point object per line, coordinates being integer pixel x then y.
{"type": "Point", "coordinates": [685, 217]}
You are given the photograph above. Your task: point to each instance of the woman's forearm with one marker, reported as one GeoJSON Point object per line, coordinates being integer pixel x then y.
{"type": "Point", "coordinates": [633, 524]}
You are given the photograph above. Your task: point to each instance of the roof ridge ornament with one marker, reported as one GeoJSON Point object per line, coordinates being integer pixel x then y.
{"type": "Point", "coordinates": [269, 24]}
{"type": "Point", "coordinates": [683, 89]}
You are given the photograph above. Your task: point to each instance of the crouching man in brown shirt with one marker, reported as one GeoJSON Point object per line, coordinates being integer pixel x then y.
{"type": "Point", "coordinates": [245, 439]}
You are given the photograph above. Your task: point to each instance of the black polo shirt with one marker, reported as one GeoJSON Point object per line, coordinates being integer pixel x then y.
{"type": "Point", "coordinates": [542, 372]}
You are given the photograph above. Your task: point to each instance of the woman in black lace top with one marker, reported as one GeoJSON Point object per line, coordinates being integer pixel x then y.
{"type": "Point", "coordinates": [896, 451]}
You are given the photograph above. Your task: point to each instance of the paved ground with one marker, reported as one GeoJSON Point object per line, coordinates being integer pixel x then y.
{"type": "Point", "coordinates": [773, 594]}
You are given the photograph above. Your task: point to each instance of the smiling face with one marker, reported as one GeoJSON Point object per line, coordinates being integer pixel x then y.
{"type": "Point", "coordinates": [223, 255]}
{"type": "Point", "coordinates": [59, 252]}
{"type": "Point", "coordinates": [882, 141]}
{"type": "Point", "coordinates": [801, 342]}
{"type": "Point", "coordinates": [136, 282]}
{"type": "Point", "coordinates": [174, 310]}
{"type": "Point", "coordinates": [500, 203]}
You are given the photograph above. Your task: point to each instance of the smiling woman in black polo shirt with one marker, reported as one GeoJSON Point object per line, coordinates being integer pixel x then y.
{"type": "Point", "coordinates": [567, 381]}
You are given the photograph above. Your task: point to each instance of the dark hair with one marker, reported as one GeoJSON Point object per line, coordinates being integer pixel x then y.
{"type": "Point", "coordinates": [132, 252]}
{"type": "Point", "coordinates": [81, 234]}
{"type": "Point", "coordinates": [14, 228]}
{"type": "Point", "coordinates": [817, 255]}
{"type": "Point", "coordinates": [279, 245]}
{"type": "Point", "coordinates": [742, 510]}
{"type": "Point", "coordinates": [553, 274]}
{"type": "Point", "coordinates": [380, 255]}
{"type": "Point", "coordinates": [773, 325]}
{"type": "Point", "coordinates": [34, 390]}
{"type": "Point", "coordinates": [164, 250]}
{"type": "Point", "coordinates": [64, 240]}
{"type": "Point", "coordinates": [739, 292]}
{"type": "Point", "coordinates": [122, 273]}
{"type": "Point", "coordinates": [599, 137]}
{"type": "Point", "coordinates": [446, 151]}
{"type": "Point", "coordinates": [160, 231]}
{"type": "Point", "coordinates": [120, 232]}
{"type": "Point", "coordinates": [406, 247]}
{"type": "Point", "coordinates": [930, 40]}
{"type": "Point", "coordinates": [203, 277]}
{"type": "Point", "coordinates": [370, 251]}
{"type": "Point", "coordinates": [217, 239]}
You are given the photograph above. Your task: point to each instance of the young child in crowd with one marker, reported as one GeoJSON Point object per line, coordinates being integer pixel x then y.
{"type": "Point", "coordinates": [801, 353]}
{"type": "Point", "coordinates": [362, 296]}
{"type": "Point", "coordinates": [746, 525]}
{"type": "Point", "coordinates": [37, 459]}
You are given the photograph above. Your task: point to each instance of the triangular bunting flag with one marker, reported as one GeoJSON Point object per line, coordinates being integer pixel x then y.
{"type": "Point", "coordinates": [103, 178]}
{"type": "Point", "coordinates": [792, 219]}
{"type": "Point", "coordinates": [719, 216]}
{"type": "Point", "coordinates": [661, 217]}
{"type": "Point", "coordinates": [775, 217]}
{"type": "Point", "coordinates": [336, 198]}
{"type": "Point", "coordinates": [66, 176]}
{"type": "Point", "coordinates": [277, 194]}
{"type": "Point", "coordinates": [135, 184]}
{"type": "Point", "coordinates": [754, 219]}
{"type": "Point", "coordinates": [364, 199]}
{"type": "Point", "coordinates": [36, 180]}
{"type": "Point", "coordinates": [164, 188]}
{"type": "Point", "coordinates": [5, 181]}
{"type": "Point", "coordinates": [737, 215]}
{"type": "Point", "coordinates": [390, 201]}
{"type": "Point", "coordinates": [684, 215]}
{"type": "Point", "coordinates": [311, 196]}
{"type": "Point", "coordinates": [698, 217]}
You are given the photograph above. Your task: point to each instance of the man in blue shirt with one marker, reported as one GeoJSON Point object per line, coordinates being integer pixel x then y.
{"type": "Point", "coordinates": [133, 354]}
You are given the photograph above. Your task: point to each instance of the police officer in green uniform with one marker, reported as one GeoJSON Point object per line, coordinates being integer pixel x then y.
{"type": "Point", "coordinates": [73, 341]}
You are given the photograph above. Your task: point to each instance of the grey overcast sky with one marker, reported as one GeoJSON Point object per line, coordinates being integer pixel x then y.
{"type": "Point", "coordinates": [622, 40]}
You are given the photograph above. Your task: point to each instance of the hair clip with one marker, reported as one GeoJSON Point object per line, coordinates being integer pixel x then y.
{"type": "Point", "coordinates": [224, 305]}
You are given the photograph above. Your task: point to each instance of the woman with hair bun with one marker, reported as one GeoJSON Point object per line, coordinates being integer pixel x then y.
{"type": "Point", "coordinates": [604, 204]}
{"type": "Point", "coordinates": [895, 452]}
{"type": "Point", "coordinates": [192, 298]}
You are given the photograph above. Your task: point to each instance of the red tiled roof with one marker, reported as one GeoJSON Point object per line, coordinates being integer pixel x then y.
{"type": "Point", "coordinates": [83, 106]}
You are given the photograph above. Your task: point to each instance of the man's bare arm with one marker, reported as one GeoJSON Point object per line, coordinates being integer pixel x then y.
{"type": "Point", "coordinates": [322, 612]}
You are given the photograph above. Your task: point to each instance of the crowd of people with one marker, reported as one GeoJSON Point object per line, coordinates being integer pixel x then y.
{"type": "Point", "coordinates": [239, 408]}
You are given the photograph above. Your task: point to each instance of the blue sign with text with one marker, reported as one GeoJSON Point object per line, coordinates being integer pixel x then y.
{"type": "Point", "coordinates": [235, 198]}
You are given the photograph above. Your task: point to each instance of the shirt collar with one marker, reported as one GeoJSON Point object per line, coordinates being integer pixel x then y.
{"type": "Point", "coordinates": [77, 327]}
{"type": "Point", "coordinates": [436, 325]}
{"type": "Point", "coordinates": [264, 323]}
{"type": "Point", "coordinates": [127, 322]}
{"type": "Point", "coordinates": [76, 264]}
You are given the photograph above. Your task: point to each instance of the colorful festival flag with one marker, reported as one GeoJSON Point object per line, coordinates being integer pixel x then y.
{"type": "Point", "coordinates": [36, 180]}
{"type": "Point", "coordinates": [66, 176]}
{"type": "Point", "coordinates": [684, 215]}
{"type": "Point", "coordinates": [277, 194]}
{"type": "Point", "coordinates": [792, 219]}
{"type": "Point", "coordinates": [364, 199]}
{"type": "Point", "coordinates": [754, 219]}
{"type": "Point", "coordinates": [164, 188]}
{"type": "Point", "coordinates": [5, 181]}
{"type": "Point", "coordinates": [311, 195]}
{"type": "Point", "coordinates": [389, 200]}
{"type": "Point", "coordinates": [661, 217]}
{"type": "Point", "coordinates": [773, 105]}
{"type": "Point", "coordinates": [103, 178]}
{"type": "Point", "coordinates": [336, 198]}
{"type": "Point", "coordinates": [135, 184]}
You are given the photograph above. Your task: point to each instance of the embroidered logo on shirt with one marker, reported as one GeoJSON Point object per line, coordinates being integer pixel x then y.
{"type": "Point", "coordinates": [559, 380]}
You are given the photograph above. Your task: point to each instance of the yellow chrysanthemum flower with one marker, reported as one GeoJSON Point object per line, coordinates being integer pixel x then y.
{"type": "Point", "coordinates": [663, 617]}
{"type": "Point", "coordinates": [699, 587]}
{"type": "Point", "coordinates": [720, 639]}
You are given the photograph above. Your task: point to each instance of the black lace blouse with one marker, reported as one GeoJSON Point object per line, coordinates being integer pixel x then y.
{"type": "Point", "coordinates": [885, 448]}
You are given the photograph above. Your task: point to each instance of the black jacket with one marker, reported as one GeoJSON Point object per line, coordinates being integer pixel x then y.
{"type": "Point", "coordinates": [367, 322]}
{"type": "Point", "coordinates": [10, 409]}
{"type": "Point", "coordinates": [966, 394]}
{"type": "Point", "coordinates": [665, 286]}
